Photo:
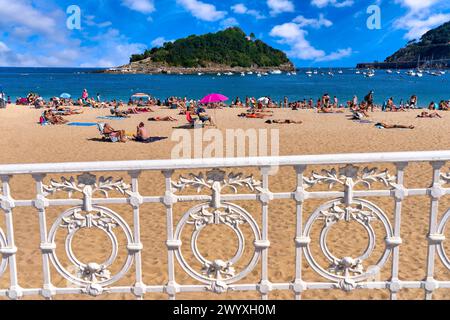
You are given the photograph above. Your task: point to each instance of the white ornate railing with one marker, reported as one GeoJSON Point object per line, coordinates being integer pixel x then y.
{"type": "Point", "coordinates": [217, 207]}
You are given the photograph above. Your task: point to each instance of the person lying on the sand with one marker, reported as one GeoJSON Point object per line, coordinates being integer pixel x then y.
{"type": "Point", "coordinates": [117, 113]}
{"type": "Point", "coordinates": [425, 114]}
{"type": "Point", "coordinates": [285, 121]}
{"type": "Point", "coordinates": [68, 111]}
{"type": "Point", "coordinates": [389, 126]}
{"type": "Point", "coordinates": [54, 119]}
{"type": "Point", "coordinates": [142, 134]}
{"type": "Point", "coordinates": [119, 134]}
{"type": "Point", "coordinates": [168, 118]}
{"type": "Point", "coordinates": [330, 110]}
{"type": "Point", "coordinates": [254, 115]}
{"type": "Point", "coordinates": [137, 110]}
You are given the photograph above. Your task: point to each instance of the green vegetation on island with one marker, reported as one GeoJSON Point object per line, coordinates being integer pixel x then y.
{"type": "Point", "coordinates": [230, 47]}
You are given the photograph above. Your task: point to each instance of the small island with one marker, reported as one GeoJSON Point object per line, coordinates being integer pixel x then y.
{"type": "Point", "coordinates": [227, 51]}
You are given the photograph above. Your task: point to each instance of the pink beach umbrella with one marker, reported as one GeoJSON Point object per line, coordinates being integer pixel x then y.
{"type": "Point", "coordinates": [213, 98]}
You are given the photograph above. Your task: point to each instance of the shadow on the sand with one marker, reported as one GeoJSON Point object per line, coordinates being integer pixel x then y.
{"type": "Point", "coordinates": [150, 140]}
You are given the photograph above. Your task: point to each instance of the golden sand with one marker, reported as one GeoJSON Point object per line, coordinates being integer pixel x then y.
{"type": "Point", "coordinates": [24, 141]}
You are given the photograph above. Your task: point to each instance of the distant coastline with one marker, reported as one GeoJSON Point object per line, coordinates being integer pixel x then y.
{"type": "Point", "coordinates": [136, 69]}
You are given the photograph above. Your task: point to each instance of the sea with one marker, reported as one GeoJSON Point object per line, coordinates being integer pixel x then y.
{"type": "Point", "coordinates": [50, 82]}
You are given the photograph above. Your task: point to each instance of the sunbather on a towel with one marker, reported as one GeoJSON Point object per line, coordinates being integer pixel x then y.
{"type": "Point", "coordinates": [54, 119]}
{"type": "Point", "coordinates": [286, 121]}
{"type": "Point", "coordinates": [382, 125]}
{"type": "Point", "coordinates": [168, 118]}
{"type": "Point", "coordinates": [142, 134]}
{"type": "Point", "coordinates": [425, 114]}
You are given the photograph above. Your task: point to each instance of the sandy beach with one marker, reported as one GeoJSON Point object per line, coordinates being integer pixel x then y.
{"type": "Point", "coordinates": [25, 141]}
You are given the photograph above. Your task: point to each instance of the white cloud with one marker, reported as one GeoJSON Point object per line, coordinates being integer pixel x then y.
{"type": "Point", "coordinates": [229, 22]}
{"type": "Point", "coordinates": [334, 3]}
{"type": "Point", "coordinates": [20, 13]}
{"type": "Point", "coordinates": [417, 27]}
{"type": "Point", "coordinates": [416, 5]}
{"type": "Point", "coordinates": [280, 6]}
{"type": "Point", "coordinates": [3, 47]}
{"type": "Point", "coordinates": [337, 55]}
{"type": "Point", "coordinates": [241, 8]}
{"type": "Point", "coordinates": [55, 45]}
{"type": "Point", "coordinates": [143, 6]}
{"type": "Point", "coordinates": [90, 21]}
{"type": "Point", "coordinates": [315, 23]}
{"type": "Point", "coordinates": [201, 10]}
{"type": "Point", "coordinates": [159, 42]}
{"type": "Point", "coordinates": [300, 48]}
{"type": "Point", "coordinates": [420, 18]}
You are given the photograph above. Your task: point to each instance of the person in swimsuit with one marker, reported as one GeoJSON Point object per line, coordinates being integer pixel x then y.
{"type": "Point", "coordinates": [168, 118]}
{"type": "Point", "coordinates": [382, 125]}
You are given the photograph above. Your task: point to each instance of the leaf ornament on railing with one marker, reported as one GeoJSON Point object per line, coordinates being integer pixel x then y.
{"type": "Point", "coordinates": [367, 176]}
{"type": "Point", "coordinates": [200, 181]}
{"type": "Point", "coordinates": [103, 185]}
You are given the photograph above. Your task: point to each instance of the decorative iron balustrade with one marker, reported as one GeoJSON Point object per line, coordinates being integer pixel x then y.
{"type": "Point", "coordinates": [218, 208]}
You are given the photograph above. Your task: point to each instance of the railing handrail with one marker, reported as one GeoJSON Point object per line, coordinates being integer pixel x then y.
{"type": "Point", "coordinates": [137, 165]}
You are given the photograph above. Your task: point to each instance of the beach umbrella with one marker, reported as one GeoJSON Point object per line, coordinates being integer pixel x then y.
{"type": "Point", "coordinates": [65, 96]}
{"type": "Point", "coordinates": [213, 98]}
{"type": "Point", "coordinates": [264, 100]}
{"type": "Point", "coordinates": [140, 95]}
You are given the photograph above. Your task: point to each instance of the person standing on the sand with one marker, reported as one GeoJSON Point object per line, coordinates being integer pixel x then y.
{"type": "Point", "coordinates": [85, 95]}
{"type": "Point", "coordinates": [369, 100]}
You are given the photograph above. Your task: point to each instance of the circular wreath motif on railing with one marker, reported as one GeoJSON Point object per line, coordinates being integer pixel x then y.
{"type": "Point", "coordinates": [218, 274]}
{"type": "Point", "coordinates": [347, 271]}
{"type": "Point", "coordinates": [92, 275]}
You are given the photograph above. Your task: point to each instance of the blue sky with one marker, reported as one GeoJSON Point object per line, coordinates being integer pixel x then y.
{"type": "Point", "coordinates": [311, 32]}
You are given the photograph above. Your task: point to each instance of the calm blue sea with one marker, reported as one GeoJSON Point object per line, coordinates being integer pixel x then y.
{"type": "Point", "coordinates": [48, 82]}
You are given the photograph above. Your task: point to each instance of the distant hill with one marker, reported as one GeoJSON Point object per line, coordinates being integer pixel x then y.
{"type": "Point", "coordinates": [435, 44]}
{"type": "Point", "coordinates": [226, 50]}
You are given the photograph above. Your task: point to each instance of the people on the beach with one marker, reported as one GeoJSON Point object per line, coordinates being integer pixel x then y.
{"type": "Point", "coordinates": [114, 135]}
{"type": "Point", "coordinates": [426, 114]}
{"type": "Point", "coordinates": [167, 118]}
{"type": "Point", "coordinates": [382, 125]}
{"type": "Point", "coordinates": [286, 121]}
{"type": "Point", "coordinates": [52, 118]}
{"type": "Point", "coordinates": [142, 134]}
{"type": "Point", "coordinates": [369, 100]}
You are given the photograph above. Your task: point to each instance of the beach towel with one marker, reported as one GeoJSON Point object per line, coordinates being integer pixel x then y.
{"type": "Point", "coordinates": [363, 121]}
{"type": "Point", "coordinates": [111, 118]}
{"type": "Point", "coordinates": [82, 124]}
{"type": "Point", "coordinates": [152, 139]}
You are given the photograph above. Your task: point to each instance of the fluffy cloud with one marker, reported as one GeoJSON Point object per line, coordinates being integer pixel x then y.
{"type": "Point", "coordinates": [315, 23]}
{"type": "Point", "coordinates": [22, 14]}
{"type": "Point", "coordinates": [334, 3]}
{"type": "Point", "coordinates": [416, 5]}
{"type": "Point", "coordinates": [229, 22]}
{"type": "Point", "coordinates": [280, 6]}
{"type": "Point", "coordinates": [201, 10]}
{"type": "Point", "coordinates": [34, 36]}
{"type": "Point", "coordinates": [241, 8]}
{"type": "Point", "coordinates": [416, 27]}
{"type": "Point", "coordinates": [300, 48]}
{"type": "Point", "coordinates": [143, 6]}
{"type": "Point", "coordinates": [338, 55]}
{"type": "Point", "coordinates": [420, 18]}
{"type": "Point", "coordinates": [159, 42]}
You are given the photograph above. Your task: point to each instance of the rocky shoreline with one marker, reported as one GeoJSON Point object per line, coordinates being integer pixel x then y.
{"type": "Point", "coordinates": [150, 68]}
